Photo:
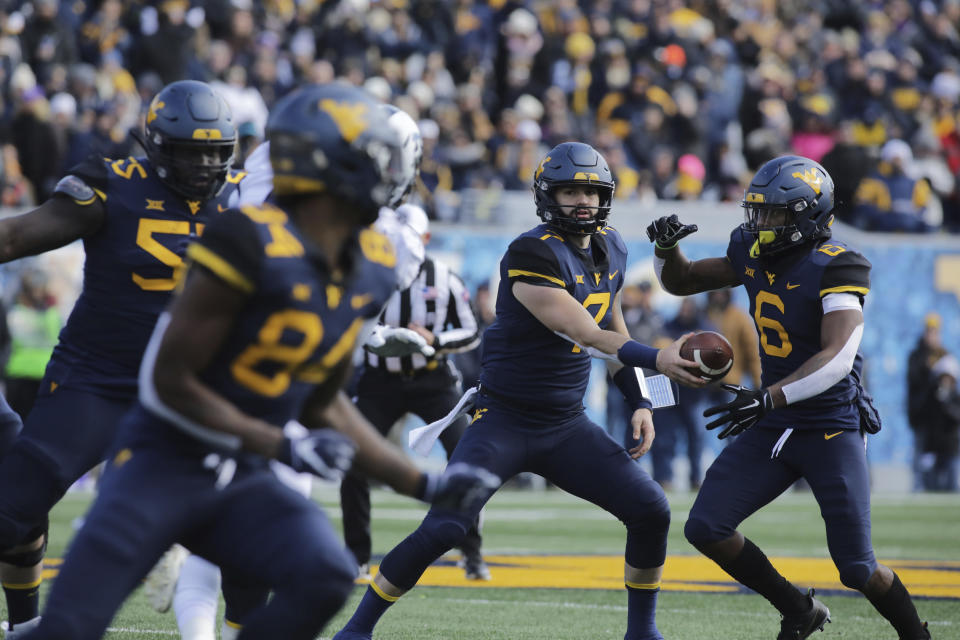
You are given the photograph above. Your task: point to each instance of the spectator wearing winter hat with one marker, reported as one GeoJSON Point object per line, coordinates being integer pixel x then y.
{"type": "Point", "coordinates": [688, 182]}
{"type": "Point", "coordinates": [889, 199]}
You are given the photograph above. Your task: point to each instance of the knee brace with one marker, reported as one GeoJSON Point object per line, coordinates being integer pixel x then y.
{"type": "Point", "coordinates": [855, 574]}
{"type": "Point", "coordinates": [700, 532]}
{"type": "Point", "coordinates": [436, 535]}
{"type": "Point", "coordinates": [29, 557]}
{"type": "Point", "coordinates": [647, 536]}
{"type": "Point", "coordinates": [21, 511]}
{"type": "Point", "coordinates": [445, 531]}
{"type": "Point", "coordinates": [240, 598]}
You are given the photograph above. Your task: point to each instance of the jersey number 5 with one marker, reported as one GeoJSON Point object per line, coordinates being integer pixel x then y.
{"type": "Point", "coordinates": [146, 230]}
{"type": "Point", "coordinates": [602, 299]}
{"type": "Point", "coordinates": [767, 325]}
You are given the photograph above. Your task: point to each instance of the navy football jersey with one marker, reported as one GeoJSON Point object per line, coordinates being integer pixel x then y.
{"type": "Point", "coordinates": [300, 321]}
{"type": "Point", "coordinates": [785, 302]}
{"type": "Point", "coordinates": [129, 272]}
{"type": "Point", "coordinates": [521, 358]}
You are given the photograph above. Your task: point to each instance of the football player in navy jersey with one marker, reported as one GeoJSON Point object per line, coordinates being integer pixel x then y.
{"type": "Point", "coordinates": [811, 415]}
{"type": "Point", "coordinates": [558, 304]}
{"type": "Point", "coordinates": [135, 217]}
{"type": "Point", "coordinates": [261, 333]}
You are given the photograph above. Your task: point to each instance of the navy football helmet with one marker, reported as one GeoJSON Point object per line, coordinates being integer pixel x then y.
{"type": "Point", "coordinates": [411, 151]}
{"type": "Point", "coordinates": [572, 163]}
{"type": "Point", "coordinates": [788, 204]}
{"type": "Point", "coordinates": [335, 139]}
{"type": "Point", "coordinates": [190, 138]}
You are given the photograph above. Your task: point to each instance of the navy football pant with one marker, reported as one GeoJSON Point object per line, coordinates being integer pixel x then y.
{"type": "Point", "coordinates": [10, 425]}
{"type": "Point", "coordinates": [383, 398]}
{"type": "Point", "coordinates": [577, 456]}
{"type": "Point", "coordinates": [745, 477]}
{"type": "Point", "coordinates": [255, 528]}
{"type": "Point", "coordinates": [66, 434]}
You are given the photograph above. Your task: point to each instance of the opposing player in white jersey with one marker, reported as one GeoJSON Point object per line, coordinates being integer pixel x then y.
{"type": "Point", "coordinates": [191, 583]}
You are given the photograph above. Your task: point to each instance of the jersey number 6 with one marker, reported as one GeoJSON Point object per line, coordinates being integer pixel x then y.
{"type": "Point", "coordinates": [765, 325]}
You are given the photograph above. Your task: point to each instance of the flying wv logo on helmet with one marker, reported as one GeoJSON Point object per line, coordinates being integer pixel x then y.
{"type": "Point", "coordinates": [336, 140]}
{"type": "Point", "coordinates": [788, 204]}
{"type": "Point", "coordinates": [572, 164]}
{"type": "Point", "coordinates": [810, 177]}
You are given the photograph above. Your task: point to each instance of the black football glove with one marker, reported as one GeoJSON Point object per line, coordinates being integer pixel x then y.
{"type": "Point", "coordinates": [667, 231]}
{"type": "Point", "coordinates": [325, 453]}
{"type": "Point", "coordinates": [461, 487]}
{"type": "Point", "coordinates": [742, 412]}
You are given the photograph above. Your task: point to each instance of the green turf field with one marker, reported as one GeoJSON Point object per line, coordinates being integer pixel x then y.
{"type": "Point", "coordinates": [529, 534]}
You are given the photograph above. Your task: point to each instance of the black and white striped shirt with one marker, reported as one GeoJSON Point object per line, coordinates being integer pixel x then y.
{"type": "Point", "coordinates": [439, 301]}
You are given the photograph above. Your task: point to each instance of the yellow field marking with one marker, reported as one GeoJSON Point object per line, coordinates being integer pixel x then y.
{"type": "Point", "coordinates": [681, 573]}
{"type": "Point", "coordinates": [933, 578]}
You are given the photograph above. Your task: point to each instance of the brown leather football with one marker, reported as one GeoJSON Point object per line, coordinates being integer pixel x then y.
{"type": "Point", "coordinates": [711, 352]}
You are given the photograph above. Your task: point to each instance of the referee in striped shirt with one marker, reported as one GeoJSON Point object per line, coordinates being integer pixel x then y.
{"type": "Point", "coordinates": [437, 306]}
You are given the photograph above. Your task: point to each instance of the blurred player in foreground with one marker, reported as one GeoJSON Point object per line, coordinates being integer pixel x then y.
{"type": "Point", "coordinates": [188, 582]}
{"type": "Point", "coordinates": [261, 334]}
{"type": "Point", "coordinates": [136, 217]}
{"type": "Point", "coordinates": [811, 415]}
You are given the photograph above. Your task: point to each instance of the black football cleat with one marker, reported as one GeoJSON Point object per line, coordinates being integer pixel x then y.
{"type": "Point", "coordinates": [476, 569]}
{"type": "Point", "coordinates": [801, 625]}
{"type": "Point", "coordinates": [925, 634]}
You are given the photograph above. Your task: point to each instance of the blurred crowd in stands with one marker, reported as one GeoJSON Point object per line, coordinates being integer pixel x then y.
{"type": "Point", "coordinates": [684, 97]}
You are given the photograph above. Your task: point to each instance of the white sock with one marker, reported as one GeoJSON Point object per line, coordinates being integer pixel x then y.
{"type": "Point", "coordinates": [196, 598]}
{"type": "Point", "coordinates": [228, 631]}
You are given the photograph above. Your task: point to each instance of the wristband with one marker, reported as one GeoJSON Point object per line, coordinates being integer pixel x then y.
{"type": "Point", "coordinates": [673, 246]}
{"type": "Point", "coordinates": [626, 381]}
{"type": "Point", "coordinates": [634, 354]}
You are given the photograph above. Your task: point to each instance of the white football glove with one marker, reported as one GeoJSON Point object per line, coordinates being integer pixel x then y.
{"type": "Point", "coordinates": [390, 342]}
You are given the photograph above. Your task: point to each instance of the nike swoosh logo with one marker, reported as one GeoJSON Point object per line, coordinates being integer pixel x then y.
{"type": "Point", "coordinates": [613, 275]}
{"type": "Point", "coordinates": [827, 436]}
{"type": "Point", "coordinates": [755, 403]}
{"type": "Point", "coordinates": [792, 286]}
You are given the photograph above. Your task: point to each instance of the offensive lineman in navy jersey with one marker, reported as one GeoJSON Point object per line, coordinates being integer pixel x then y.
{"type": "Point", "coordinates": [562, 277]}
{"type": "Point", "coordinates": [261, 333]}
{"type": "Point", "coordinates": [810, 417]}
{"type": "Point", "coordinates": [136, 217]}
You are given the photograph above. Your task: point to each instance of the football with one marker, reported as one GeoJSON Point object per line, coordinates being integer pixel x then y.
{"type": "Point", "coordinates": [711, 352]}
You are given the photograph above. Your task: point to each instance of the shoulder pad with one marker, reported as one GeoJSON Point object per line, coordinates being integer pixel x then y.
{"type": "Point", "coordinates": [234, 176]}
{"type": "Point", "coordinates": [614, 238]}
{"type": "Point", "coordinates": [548, 235]}
{"type": "Point", "coordinates": [846, 272]}
{"type": "Point", "coordinates": [264, 213]}
{"type": "Point", "coordinates": [76, 189]}
{"type": "Point", "coordinates": [376, 248]}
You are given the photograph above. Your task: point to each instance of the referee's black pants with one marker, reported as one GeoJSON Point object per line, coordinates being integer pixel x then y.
{"type": "Point", "coordinates": [384, 398]}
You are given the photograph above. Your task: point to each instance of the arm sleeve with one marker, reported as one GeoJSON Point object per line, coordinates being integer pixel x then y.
{"type": "Point", "coordinates": [848, 272]}
{"type": "Point", "coordinates": [530, 260]}
{"type": "Point", "coordinates": [230, 249]}
{"type": "Point", "coordinates": [464, 334]}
